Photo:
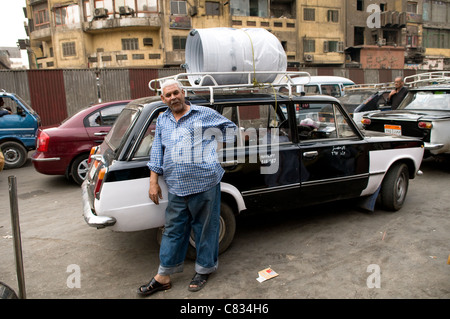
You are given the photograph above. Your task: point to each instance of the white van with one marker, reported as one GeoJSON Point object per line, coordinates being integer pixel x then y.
{"type": "Point", "coordinates": [328, 85]}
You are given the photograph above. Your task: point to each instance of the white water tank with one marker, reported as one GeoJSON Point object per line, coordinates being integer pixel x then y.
{"type": "Point", "coordinates": [234, 50]}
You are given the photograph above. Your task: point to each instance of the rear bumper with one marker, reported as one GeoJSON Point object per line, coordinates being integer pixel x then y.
{"type": "Point", "coordinates": [433, 147]}
{"type": "Point", "coordinates": [90, 218]}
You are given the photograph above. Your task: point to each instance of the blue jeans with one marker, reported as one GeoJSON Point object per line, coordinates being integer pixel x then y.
{"type": "Point", "coordinates": [201, 214]}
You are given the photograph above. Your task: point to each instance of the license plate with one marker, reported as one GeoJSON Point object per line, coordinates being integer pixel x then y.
{"type": "Point", "coordinates": [393, 129]}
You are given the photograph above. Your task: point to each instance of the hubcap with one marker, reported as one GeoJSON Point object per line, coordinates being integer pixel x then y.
{"type": "Point", "coordinates": [82, 169]}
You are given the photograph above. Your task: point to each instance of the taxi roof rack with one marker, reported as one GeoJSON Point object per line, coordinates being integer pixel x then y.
{"type": "Point", "coordinates": [284, 79]}
{"type": "Point", "coordinates": [368, 86]}
{"type": "Point", "coordinates": [428, 78]}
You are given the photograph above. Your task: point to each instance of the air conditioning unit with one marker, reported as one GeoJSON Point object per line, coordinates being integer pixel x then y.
{"type": "Point", "coordinates": [125, 10]}
{"type": "Point", "coordinates": [100, 13]}
{"type": "Point", "coordinates": [308, 58]}
{"type": "Point", "coordinates": [381, 42]}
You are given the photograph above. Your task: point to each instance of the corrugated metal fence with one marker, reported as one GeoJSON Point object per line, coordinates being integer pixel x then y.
{"type": "Point", "coordinates": [57, 94]}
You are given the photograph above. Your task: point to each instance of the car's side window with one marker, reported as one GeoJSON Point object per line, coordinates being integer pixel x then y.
{"type": "Point", "coordinates": [106, 116]}
{"type": "Point", "coordinates": [145, 145]}
{"type": "Point", "coordinates": [259, 124]}
{"type": "Point", "coordinates": [321, 121]}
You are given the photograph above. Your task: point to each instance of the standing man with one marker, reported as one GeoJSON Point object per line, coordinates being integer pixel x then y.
{"type": "Point", "coordinates": [187, 159]}
{"type": "Point", "coordinates": [398, 94]}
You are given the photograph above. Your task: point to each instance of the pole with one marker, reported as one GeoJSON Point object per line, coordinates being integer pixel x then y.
{"type": "Point", "coordinates": [16, 234]}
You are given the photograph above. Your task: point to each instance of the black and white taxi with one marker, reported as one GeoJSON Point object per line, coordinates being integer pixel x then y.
{"type": "Point", "coordinates": [424, 113]}
{"type": "Point", "coordinates": [290, 150]}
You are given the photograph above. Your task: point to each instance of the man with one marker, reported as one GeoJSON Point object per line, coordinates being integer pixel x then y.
{"type": "Point", "coordinates": [398, 94]}
{"type": "Point", "coordinates": [186, 157]}
{"type": "Point", "coordinates": [3, 111]}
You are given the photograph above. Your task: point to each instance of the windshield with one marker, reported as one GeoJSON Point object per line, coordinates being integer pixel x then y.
{"type": "Point", "coordinates": [355, 98]}
{"type": "Point", "coordinates": [121, 128]}
{"type": "Point", "coordinates": [426, 100]}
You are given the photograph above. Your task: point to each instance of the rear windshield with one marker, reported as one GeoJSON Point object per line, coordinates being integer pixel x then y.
{"type": "Point", "coordinates": [355, 98]}
{"type": "Point", "coordinates": [121, 128]}
{"type": "Point", "coordinates": [426, 100]}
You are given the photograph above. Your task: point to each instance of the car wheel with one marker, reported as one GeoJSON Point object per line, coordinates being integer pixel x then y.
{"type": "Point", "coordinates": [226, 234]}
{"type": "Point", "coordinates": [394, 187]}
{"type": "Point", "coordinates": [15, 154]}
{"type": "Point", "coordinates": [79, 169]}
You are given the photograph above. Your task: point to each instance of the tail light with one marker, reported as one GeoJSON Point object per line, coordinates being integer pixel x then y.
{"type": "Point", "coordinates": [99, 182]}
{"type": "Point", "coordinates": [42, 141]}
{"type": "Point", "coordinates": [425, 125]}
{"type": "Point", "coordinates": [366, 121]}
{"type": "Point", "coordinates": [93, 151]}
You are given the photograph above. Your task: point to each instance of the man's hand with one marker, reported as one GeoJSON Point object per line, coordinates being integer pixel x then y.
{"type": "Point", "coordinates": [154, 191]}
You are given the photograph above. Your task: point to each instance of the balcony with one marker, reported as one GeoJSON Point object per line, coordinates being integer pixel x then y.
{"type": "Point", "coordinates": [152, 22]}
{"type": "Point", "coordinates": [393, 19]}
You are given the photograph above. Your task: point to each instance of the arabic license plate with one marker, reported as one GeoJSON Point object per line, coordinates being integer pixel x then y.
{"type": "Point", "coordinates": [393, 129]}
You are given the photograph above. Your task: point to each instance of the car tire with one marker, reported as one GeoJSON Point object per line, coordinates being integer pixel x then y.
{"type": "Point", "coordinates": [226, 235]}
{"type": "Point", "coordinates": [15, 154]}
{"type": "Point", "coordinates": [79, 168]}
{"type": "Point", "coordinates": [394, 187]}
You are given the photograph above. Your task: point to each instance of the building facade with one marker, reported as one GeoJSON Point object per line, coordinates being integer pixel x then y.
{"type": "Point", "coordinates": [153, 33]}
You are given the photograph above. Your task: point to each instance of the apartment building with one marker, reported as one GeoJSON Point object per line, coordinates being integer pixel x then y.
{"type": "Point", "coordinates": [153, 33]}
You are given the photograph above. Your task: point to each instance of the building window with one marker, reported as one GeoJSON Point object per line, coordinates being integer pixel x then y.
{"type": "Point", "coordinates": [147, 6]}
{"type": "Point", "coordinates": [360, 5]}
{"type": "Point", "coordinates": [130, 44]}
{"type": "Point", "coordinates": [309, 45]}
{"type": "Point", "coordinates": [212, 8]}
{"type": "Point", "coordinates": [333, 16]}
{"type": "Point", "coordinates": [309, 14]}
{"type": "Point", "coordinates": [41, 18]}
{"type": "Point", "coordinates": [67, 15]}
{"type": "Point", "coordinates": [333, 46]}
{"type": "Point", "coordinates": [178, 7]}
{"type": "Point", "coordinates": [138, 57]}
{"type": "Point", "coordinates": [69, 49]}
{"type": "Point", "coordinates": [179, 43]}
{"type": "Point", "coordinates": [411, 7]}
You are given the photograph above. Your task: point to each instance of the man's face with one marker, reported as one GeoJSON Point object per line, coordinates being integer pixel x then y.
{"type": "Point", "coordinates": [398, 83]}
{"type": "Point", "coordinates": [173, 96]}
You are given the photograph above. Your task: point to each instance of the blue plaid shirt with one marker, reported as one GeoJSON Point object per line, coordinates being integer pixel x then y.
{"type": "Point", "coordinates": [184, 152]}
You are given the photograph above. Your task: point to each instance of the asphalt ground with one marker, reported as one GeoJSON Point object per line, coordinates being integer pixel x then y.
{"type": "Point", "coordinates": [330, 251]}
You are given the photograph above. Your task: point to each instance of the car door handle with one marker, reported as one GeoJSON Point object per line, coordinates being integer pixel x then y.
{"type": "Point", "coordinates": [310, 155]}
{"type": "Point", "coordinates": [229, 163]}
{"type": "Point", "coordinates": [100, 133]}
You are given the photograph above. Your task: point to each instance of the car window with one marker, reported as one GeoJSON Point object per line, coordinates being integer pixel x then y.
{"type": "Point", "coordinates": [143, 149]}
{"type": "Point", "coordinates": [321, 121]}
{"type": "Point", "coordinates": [10, 104]}
{"type": "Point", "coordinates": [106, 116]}
{"type": "Point", "coordinates": [433, 100]}
{"type": "Point", "coordinates": [121, 128]}
{"type": "Point", "coordinates": [312, 89]}
{"type": "Point", "coordinates": [331, 89]}
{"type": "Point", "coordinates": [259, 124]}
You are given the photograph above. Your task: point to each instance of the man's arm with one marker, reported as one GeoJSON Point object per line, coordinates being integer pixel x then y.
{"type": "Point", "coordinates": [154, 191]}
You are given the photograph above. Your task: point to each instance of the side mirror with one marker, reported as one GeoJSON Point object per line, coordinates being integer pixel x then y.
{"type": "Point", "coordinates": [20, 111]}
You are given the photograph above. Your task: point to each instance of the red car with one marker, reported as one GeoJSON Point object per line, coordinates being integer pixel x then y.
{"type": "Point", "coordinates": [64, 150]}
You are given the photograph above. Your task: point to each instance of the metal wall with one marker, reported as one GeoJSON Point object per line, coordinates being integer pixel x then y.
{"type": "Point", "coordinates": [56, 94]}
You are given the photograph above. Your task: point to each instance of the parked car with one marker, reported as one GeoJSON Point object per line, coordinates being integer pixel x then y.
{"type": "Point", "coordinates": [322, 84]}
{"type": "Point", "coordinates": [424, 113]}
{"type": "Point", "coordinates": [17, 130]}
{"type": "Point", "coordinates": [64, 150]}
{"type": "Point", "coordinates": [363, 99]}
{"type": "Point", "coordinates": [275, 164]}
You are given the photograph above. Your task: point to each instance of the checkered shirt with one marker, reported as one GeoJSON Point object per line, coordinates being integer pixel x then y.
{"type": "Point", "coordinates": [184, 152]}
